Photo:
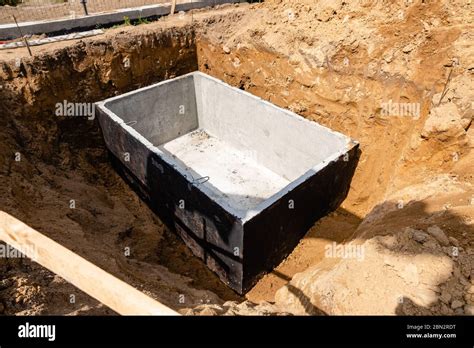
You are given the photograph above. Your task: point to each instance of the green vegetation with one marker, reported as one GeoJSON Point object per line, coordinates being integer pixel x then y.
{"type": "Point", "coordinates": [9, 2]}
{"type": "Point", "coordinates": [141, 21]}
{"type": "Point", "coordinates": [126, 20]}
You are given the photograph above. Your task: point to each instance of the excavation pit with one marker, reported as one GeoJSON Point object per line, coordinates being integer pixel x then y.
{"type": "Point", "coordinates": [238, 178]}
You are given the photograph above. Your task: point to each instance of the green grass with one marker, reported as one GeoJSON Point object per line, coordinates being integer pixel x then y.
{"type": "Point", "coordinates": [127, 21]}
{"type": "Point", "coordinates": [9, 2]}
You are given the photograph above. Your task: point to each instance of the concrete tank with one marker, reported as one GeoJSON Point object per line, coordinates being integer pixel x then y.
{"type": "Point", "coordinates": [238, 178]}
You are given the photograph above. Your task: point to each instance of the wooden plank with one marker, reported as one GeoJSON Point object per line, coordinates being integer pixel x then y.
{"type": "Point", "coordinates": [173, 7]}
{"type": "Point", "coordinates": [111, 291]}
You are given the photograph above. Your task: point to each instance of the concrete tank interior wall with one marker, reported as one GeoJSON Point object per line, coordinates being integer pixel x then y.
{"type": "Point", "coordinates": [159, 113]}
{"type": "Point", "coordinates": [286, 144]}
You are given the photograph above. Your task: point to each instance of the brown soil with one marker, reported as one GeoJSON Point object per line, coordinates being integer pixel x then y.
{"type": "Point", "coordinates": [332, 62]}
{"type": "Point", "coordinates": [300, 64]}
{"type": "Point", "coordinates": [64, 159]}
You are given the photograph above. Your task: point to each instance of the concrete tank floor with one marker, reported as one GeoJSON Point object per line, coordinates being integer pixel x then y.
{"type": "Point", "coordinates": [230, 172]}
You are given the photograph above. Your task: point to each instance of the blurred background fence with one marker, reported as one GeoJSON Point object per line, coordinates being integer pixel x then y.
{"type": "Point", "coordinates": [34, 10]}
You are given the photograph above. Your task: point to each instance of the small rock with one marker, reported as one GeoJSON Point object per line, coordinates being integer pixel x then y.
{"type": "Point", "coordinates": [445, 310]}
{"type": "Point", "coordinates": [444, 122]}
{"type": "Point", "coordinates": [408, 48]}
{"type": "Point", "coordinates": [420, 236]}
{"type": "Point", "coordinates": [432, 244]}
{"type": "Point", "coordinates": [226, 49]}
{"type": "Point", "coordinates": [448, 63]}
{"type": "Point", "coordinates": [445, 296]}
{"type": "Point", "coordinates": [236, 62]}
{"type": "Point", "coordinates": [5, 283]}
{"type": "Point", "coordinates": [246, 305]}
{"type": "Point", "coordinates": [293, 60]}
{"type": "Point", "coordinates": [388, 59]}
{"type": "Point", "coordinates": [454, 241]}
{"type": "Point", "coordinates": [230, 304]}
{"type": "Point", "coordinates": [436, 22]}
{"type": "Point", "coordinates": [439, 235]}
{"type": "Point", "coordinates": [469, 309]}
{"type": "Point", "coordinates": [208, 312]}
{"type": "Point", "coordinates": [456, 304]}
{"type": "Point", "coordinates": [469, 298]}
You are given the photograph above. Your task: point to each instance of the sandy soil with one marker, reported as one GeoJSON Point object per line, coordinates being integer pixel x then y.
{"type": "Point", "coordinates": [332, 62]}
{"type": "Point", "coordinates": [337, 64]}
{"type": "Point", "coordinates": [64, 159]}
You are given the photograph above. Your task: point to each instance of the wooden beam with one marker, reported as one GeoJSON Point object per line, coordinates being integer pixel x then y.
{"type": "Point", "coordinates": [173, 6]}
{"type": "Point", "coordinates": [111, 291]}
